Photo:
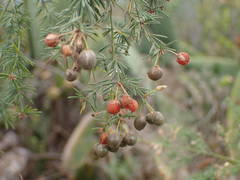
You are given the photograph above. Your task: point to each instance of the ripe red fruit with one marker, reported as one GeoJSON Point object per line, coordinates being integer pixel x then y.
{"type": "Point", "coordinates": [129, 103]}
{"type": "Point", "coordinates": [103, 138]}
{"type": "Point", "coordinates": [52, 40]}
{"type": "Point", "coordinates": [126, 99]}
{"type": "Point", "coordinates": [66, 50]}
{"type": "Point", "coordinates": [183, 58]}
{"type": "Point", "coordinates": [133, 105]}
{"type": "Point", "coordinates": [113, 107]}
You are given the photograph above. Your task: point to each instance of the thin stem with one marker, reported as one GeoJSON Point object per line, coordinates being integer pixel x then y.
{"type": "Point", "coordinates": [156, 60]}
{"type": "Point", "coordinates": [116, 95]}
{"type": "Point", "coordinates": [66, 61]}
{"type": "Point", "coordinates": [118, 124]}
{"type": "Point", "coordinates": [124, 90]}
{"type": "Point", "coordinates": [72, 39]}
{"type": "Point", "coordinates": [85, 41]}
{"type": "Point", "coordinates": [63, 34]}
{"type": "Point", "coordinates": [172, 52]}
{"type": "Point", "coordinates": [149, 107]}
{"type": "Point", "coordinates": [97, 113]}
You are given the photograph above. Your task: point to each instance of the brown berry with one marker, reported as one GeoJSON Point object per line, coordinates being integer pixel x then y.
{"type": "Point", "coordinates": [155, 73]}
{"type": "Point", "coordinates": [66, 50]}
{"type": "Point", "coordinates": [100, 150]}
{"type": "Point", "coordinates": [112, 149]}
{"type": "Point", "coordinates": [155, 117]}
{"type": "Point", "coordinates": [123, 143]}
{"type": "Point", "coordinates": [71, 75]}
{"type": "Point", "coordinates": [87, 59]}
{"type": "Point", "coordinates": [52, 40]}
{"type": "Point", "coordinates": [130, 139]}
{"type": "Point", "coordinates": [140, 123]}
{"type": "Point", "coordinates": [159, 118]}
{"type": "Point", "coordinates": [114, 140]}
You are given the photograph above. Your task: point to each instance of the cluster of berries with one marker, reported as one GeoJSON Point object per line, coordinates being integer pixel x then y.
{"type": "Point", "coordinates": [113, 140]}
{"type": "Point", "coordinates": [76, 47]}
{"type": "Point", "coordinates": [126, 102]}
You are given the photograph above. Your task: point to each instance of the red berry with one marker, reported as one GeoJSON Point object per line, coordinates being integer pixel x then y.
{"type": "Point", "coordinates": [183, 58]}
{"type": "Point", "coordinates": [103, 138]}
{"type": "Point", "coordinates": [129, 103]}
{"type": "Point", "coordinates": [126, 99]}
{"type": "Point", "coordinates": [113, 106]}
{"type": "Point", "coordinates": [52, 40]}
{"type": "Point", "coordinates": [133, 106]}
